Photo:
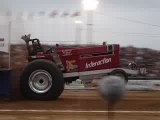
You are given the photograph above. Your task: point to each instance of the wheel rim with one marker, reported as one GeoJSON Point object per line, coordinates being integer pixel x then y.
{"type": "Point", "coordinates": [40, 81]}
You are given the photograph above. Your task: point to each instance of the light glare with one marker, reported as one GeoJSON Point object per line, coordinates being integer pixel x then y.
{"type": "Point", "coordinates": [90, 4]}
{"type": "Point", "coordinates": [78, 22]}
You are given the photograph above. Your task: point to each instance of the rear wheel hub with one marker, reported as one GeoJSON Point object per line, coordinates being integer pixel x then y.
{"type": "Point", "coordinates": [40, 81]}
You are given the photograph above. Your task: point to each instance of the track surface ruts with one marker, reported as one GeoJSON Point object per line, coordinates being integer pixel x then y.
{"type": "Point", "coordinates": [84, 105]}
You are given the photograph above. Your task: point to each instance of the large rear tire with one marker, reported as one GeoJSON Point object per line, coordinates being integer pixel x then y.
{"type": "Point", "coordinates": [42, 80]}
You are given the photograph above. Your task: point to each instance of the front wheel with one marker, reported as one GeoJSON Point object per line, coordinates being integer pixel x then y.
{"type": "Point", "coordinates": [42, 80]}
{"type": "Point", "coordinates": [120, 73]}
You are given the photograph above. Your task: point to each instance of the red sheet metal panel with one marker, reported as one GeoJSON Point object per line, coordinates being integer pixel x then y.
{"type": "Point", "coordinates": [89, 58]}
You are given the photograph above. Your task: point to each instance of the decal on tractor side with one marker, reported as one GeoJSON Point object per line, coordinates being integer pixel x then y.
{"type": "Point", "coordinates": [71, 65]}
{"type": "Point", "coordinates": [67, 52]}
{"type": "Point", "coordinates": [98, 63]}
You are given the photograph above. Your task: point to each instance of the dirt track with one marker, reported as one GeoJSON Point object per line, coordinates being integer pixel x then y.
{"type": "Point", "coordinates": [84, 105]}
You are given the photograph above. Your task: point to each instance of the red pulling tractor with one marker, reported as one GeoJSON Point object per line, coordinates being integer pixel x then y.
{"type": "Point", "coordinates": [44, 76]}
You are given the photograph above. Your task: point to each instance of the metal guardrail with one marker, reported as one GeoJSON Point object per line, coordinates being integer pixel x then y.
{"type": "Point", "coordinates": [144, 78]}
{"type": "Point", "coordinates": [133, 85]}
